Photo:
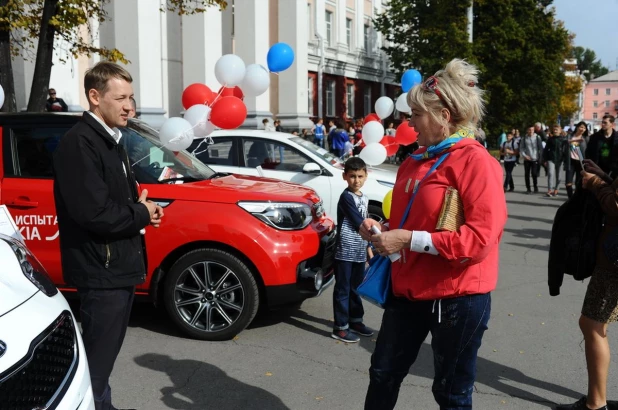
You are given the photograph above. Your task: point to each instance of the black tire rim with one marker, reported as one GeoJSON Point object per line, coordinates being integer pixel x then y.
{"type": "Point", "coordinates": [375, 216]}
{"type": "Point", "coordinates": [209, 296]}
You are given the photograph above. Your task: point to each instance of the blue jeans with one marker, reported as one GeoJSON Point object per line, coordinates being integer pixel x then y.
{"type": "Point", "coordinates": [319, 141]}
{"type": "Point", "coordinates": [456, 325]}
{"type": "Point", "coordinates": [347, 305]}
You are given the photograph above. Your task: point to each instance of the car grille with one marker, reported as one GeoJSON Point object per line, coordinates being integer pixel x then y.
{"type": "Point", "coordinates": [40, 379]}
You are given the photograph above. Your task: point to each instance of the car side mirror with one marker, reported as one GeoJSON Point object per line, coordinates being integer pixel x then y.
{"type": "Point", "coordinates": [312, 168]}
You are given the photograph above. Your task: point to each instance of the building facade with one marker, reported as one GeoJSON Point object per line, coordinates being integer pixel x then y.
{"type": "Point", "coordinates": [333, 40]}
{"type": "Point", "coordinates": [601, 98]}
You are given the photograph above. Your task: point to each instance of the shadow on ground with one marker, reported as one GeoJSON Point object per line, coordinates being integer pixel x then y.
{"type": "Point", "coordinates": [198, 385]}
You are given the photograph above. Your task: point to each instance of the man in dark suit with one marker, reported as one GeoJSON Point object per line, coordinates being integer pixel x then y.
{"type": "Point", "coordinates": [101, 217]}
{"type": "Point", "coordinates": [602, 147]}
{"type": "Point", "coordinates": [55, 104]}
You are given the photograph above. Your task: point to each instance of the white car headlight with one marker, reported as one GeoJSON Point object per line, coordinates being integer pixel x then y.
{"type": "Point", "coordinates": [287, 216]}
{"type": "Point", "coordinates": [32, 268]}
{"type": "Point", "coordinates": [386, 183]}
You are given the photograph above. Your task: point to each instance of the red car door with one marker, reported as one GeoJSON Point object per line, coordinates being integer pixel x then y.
{"type": "Point", "coordinates": [27, 189]}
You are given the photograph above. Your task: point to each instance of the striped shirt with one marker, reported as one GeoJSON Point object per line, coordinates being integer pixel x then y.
{"type": "Point", "coordinates": [351, 211]}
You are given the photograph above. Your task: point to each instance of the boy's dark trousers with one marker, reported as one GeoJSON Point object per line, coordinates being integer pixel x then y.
{"type": "Point", "coordinates": [508, 180]}
{"type": "Point", "coordinates": [531, 167]}
{"type": "Point", "coordinates": [347, 305]}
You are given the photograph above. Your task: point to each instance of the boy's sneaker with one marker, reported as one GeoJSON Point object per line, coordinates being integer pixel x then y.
{"type": "Point", "coordinates": [361, 329]}
{"type": "Point", "coordinates": [345, 336]}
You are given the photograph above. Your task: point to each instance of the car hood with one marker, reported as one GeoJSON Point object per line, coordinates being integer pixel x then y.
{"type": "Point", "coordinates": [234, 188]}
{"type": "Point", "coordinates": [15, 288]}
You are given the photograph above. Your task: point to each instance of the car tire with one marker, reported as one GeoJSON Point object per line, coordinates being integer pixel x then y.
{"type": "Point", "coordinates": [217, 308]}
{"type": "Point", "coordinates": [375, 212]}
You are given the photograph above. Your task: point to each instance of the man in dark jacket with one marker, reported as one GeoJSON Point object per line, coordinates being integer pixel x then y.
{"type": "Point", "coordinates": [101, 218]}
{"type": "Point", "coordinates": [603, 147]}
{"type": "Point", "coordinates": [55, 104]}
{"type": "Point", "coordinates": [554, 156]}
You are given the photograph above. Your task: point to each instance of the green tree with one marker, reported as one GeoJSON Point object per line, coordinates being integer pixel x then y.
{"type": "Point", "coordinates": [518, 45]}
{"type": "Point", "coordinates": [29, 24]}
{"type": "Point", "coordinates": [588, 63]}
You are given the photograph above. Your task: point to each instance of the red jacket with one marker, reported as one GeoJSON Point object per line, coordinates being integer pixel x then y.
{"type": "Point", "coordinates": [468, 260]}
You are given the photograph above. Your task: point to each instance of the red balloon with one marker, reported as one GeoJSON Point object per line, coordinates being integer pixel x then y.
{"type": "Point", "coordinates": [228, 112]}
{"type": "Point", "coordinates": [231, 92]}
{"type": "Point", "coordinates": [197, 94]}
{"type": "Point", "coordinates": [405, 135]}
{"type": "Point", "coordinates": [390, 144]}
{"type": "Point", "coordinates": [372, 117]}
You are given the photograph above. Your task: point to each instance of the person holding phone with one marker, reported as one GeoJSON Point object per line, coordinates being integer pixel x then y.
{"type": "Point", "coordinates": [573, 165]}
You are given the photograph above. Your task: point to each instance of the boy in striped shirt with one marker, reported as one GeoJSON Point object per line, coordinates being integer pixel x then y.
{"type": "Point", "coordinates": [351, 255]}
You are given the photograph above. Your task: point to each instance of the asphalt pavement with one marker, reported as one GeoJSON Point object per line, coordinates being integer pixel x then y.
{"type": "Point", "coordinates": [532, 355]}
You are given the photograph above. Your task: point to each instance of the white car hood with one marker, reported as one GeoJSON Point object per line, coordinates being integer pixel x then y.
{"type": "Point", "coordinates": [15, 288]}
{"type": "Point", "coordinates": [382, 174]}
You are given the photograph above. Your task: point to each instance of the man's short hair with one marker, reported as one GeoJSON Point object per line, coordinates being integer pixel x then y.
{"type": "Point", "coordinates": [98, 76]}
{"type": "Point", "coordinates": [611, 118]}
{"type": "Point", "coordinates": [354, 164]}
{"type": "Point", "coordinates": [51, 89]}
{"type": "Point", "coordinates": [265, 120]}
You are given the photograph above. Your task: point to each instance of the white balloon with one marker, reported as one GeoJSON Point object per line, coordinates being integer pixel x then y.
{"type": "Point", "coordinates": [1, 96]}
{"type": "Point", "coordinates": [373, 154]}
{"type": "Point", "coordinates": [176, 134]}
{"type": "Point", "coordinates": [256, 81]}
{"type": "Point", "coordinates": [402, 104]}
{"type": "Point", "coordinates": [230, 70]}
{"type": "Point", "coordinates": [373, 131]}
{"type": "Point", "coordinates": [384, 107]}
{"type": "Point", "coordinates": [197, 116]}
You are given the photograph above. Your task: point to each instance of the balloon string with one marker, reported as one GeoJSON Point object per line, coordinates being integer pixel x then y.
{"type": "Point", "coordinates": [218, 94]}
{"type": "Point", "coordinates": [158, 148]}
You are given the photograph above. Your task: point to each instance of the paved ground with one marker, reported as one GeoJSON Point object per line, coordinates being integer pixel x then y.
{"type": "Point", "coordinates": [532, 355]}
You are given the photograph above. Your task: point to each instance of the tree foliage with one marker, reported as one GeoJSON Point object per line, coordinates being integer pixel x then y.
{"type": "Point", "coordinates": [46, 25]}
{"type": "Point", "coordinates": [587, 63]}
{"type": "Point", "coordinates": [519, 46]}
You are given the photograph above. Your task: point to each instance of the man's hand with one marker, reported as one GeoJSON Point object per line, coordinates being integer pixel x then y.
{"type": "Point", "coordinates": [592, 168]}
{"type": "Point", "coordinates": [155, 221]}
{"type": "Point", "coordinates": [586, 177]}
{"type": "Point", "coordinates": [391, 242]}
{"type": "Point", "coordinates": [155, 211]}
{"type": "Point", "coordinates": [527, 158]}
{"type": "Point", "coordinates": [365, 228]}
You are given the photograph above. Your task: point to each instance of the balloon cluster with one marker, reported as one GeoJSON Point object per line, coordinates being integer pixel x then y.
{"type": "Point", "coordinates": [206, 110]}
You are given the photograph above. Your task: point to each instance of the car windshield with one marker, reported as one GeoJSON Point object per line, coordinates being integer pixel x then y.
{"type": "Point", "coordinates": [153, 163]}
{"type": "Point", "coordinates": [320, 152]}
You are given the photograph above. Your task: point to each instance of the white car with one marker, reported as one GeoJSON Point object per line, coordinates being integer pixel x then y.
{"type": "Point", "coordinates": [290, 158]}
{"type": "Point", "coordinates": [42, 358]}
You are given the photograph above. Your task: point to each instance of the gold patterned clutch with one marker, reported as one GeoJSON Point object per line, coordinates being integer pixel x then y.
{"type": "Point", "coordinates": [452, 214]}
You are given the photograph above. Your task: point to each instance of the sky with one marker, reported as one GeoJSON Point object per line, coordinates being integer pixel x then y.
{"type": "Point", "coordinates": [595, 24]}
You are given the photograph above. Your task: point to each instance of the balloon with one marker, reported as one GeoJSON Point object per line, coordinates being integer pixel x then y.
{"type": "Point", "coordinates": [230, 70]}
{"type": "Point", "coordinates": [198, 118]}
{"type": "Point", "coordinates": [231, 91]}
{"type": "Point", "coordinates": [256, 81]}
{"type": "Point", "coordinates": [384, 107]}
{"type": "Point", "coordinates": [176, 134]}
{"type": "Point", "coordinates": [373, 154]}
{"type": "Point", "coordinates": [197, 94]}
{"type": "Point", "coordinates": [390, 144]}
{"type": "Point", "coordinates": [371, 117]}
{"type": "Point", "coordinates": [1, 96]}
{"type": "Point", "coordinates": [402, 104]}
{"type": "Point", "coordinates": [280, 57]}
{"type": "Point", "coordinates": [228, 113]}
{"type": "Point", "coordinates": [409, 79]}
{"type": "Point", "coordinates": [405, 135]}
{"type": "Point", "coordinates": [373, 132]}
{"type": "Point", "coordinates": [386, 204]}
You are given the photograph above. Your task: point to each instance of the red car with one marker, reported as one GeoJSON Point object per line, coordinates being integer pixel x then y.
{"type": "Point", "coordinates": [227, 245]}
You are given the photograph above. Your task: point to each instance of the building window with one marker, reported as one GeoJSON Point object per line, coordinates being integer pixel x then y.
{"type": "Point", "coordinates": [350, 100]}
{"type": "Point", "coordinates": [309, 37]}
{"type": "Point", "coordinates": [596, 91]}
{"type": "Point", "coordinates": [330, 98]}
{"type": "Point", "coordinates": [310, 96]}
{"type": "Point", "coordinates": [329, 27]}
{"type": "Point", "coordinates": [348, 32]}
{"type": "Point", "coordinates": [366, 37]}
{"type": "Point", "coordinates": [594, 116]}
{"type": "Point", "coordinates": [608, 91]}
{"type": "Point", "coordinates": [595, 104]}
{"type": "Point", "coordinates": [367, 100]}
{"type": "Point", "coordinates": [607, 103]}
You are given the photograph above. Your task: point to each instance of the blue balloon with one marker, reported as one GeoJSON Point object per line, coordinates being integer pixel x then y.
{"type": "Point", "coordinates": [409, 79]}
{"type": "Point", "coordinates": [280, 57]}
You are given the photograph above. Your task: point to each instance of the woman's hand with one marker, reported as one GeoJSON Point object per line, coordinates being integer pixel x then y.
{"type": "Point", "coordinates": [592, 168]}
{"type": "Point", "coordinates": [365, 228]}
{"type": "Point", "coordinates": [586, 177]}
{"type": "Point", "coordinates": [391, 242]}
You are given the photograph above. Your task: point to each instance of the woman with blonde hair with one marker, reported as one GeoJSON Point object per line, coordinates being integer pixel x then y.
{"type": "Point", "coordinates": [448, 244]}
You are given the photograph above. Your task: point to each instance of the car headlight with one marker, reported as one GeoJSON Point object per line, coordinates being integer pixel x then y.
{"type": "Point", "coordinates": [386, 183]}
{"type": "Point", "coordinates": [32, 268]}
{"type": "Point", "coordinates": [287, 216]}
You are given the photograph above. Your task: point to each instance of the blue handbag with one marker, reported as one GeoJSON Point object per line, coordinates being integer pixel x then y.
{"type": "Point", "coordinates": [376, 285]}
